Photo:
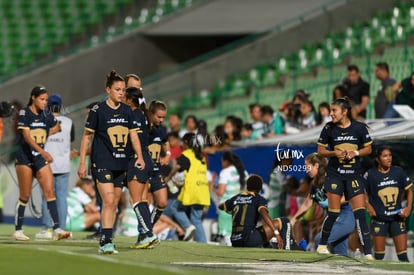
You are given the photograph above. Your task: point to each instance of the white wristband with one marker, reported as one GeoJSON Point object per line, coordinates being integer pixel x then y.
{"type": "Point", "coordinates": [356, 153]}
{"type": "Point", "coordinates": [276, 232]}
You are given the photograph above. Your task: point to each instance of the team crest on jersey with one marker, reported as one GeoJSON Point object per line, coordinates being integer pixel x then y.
{"type": "Point", "coordinates": [334, 186]}
{"type": "Point", "coordinates": [22, 112]}
{"type": "Point", "coordinates": [376, 229]}
{"type": "Point", "coordinates": [108, 176]}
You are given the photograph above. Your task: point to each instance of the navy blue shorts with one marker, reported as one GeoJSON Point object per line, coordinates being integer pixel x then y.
{"type": "Point", "coordinates": [349, 187]}
{"type": "Point", "coordinates": [391, 229]}
{"type": "Point", "coordinates": [34, 162]}
{"type": "Point", "coordinates": [137, 174]}
{"type": "Point", "coordinates": [108, 176]}
{"type": "Point", "coordinates": [254, 239]}
{"type": "Point", "coordinates": [156, 182]}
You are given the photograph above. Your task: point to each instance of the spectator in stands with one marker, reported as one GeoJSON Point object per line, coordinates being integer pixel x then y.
{"type": "Point", "coordinates": [385, 98]}
{"type": "Point", "coordinates": [273, 122]}
{"type": "Point", "coordinates": [323, 115]}
{"type": "Point", "coordinates": [256, 119]}
{"type": "Point", "coordinates": [339, 91]}
{"type": "Point", "coordinates": [202, 134]}
{"type": "Point", "coordinates": [246, 132]}
{"type": "Point", "coordinates": [191, 124]}
{"type": "Point", "coordinates": [299, 97]}
{"type": "Point", "coordinates": [308, 115]}
{"type": "Point", "coordinates": [59, 145]}
{"type": "Point", "coordinates": [175, 145]}
{"type": "Point", "coordinates": [82, 210]}
{"type": "Point", "coordinates": [386, 187]}
{"type": "Point", "coordinates": [291, 118]}
{"type": "Point", "coordinates": [358, 92]}
{"type": "Point", "coordinates": [174, 124]}
{"type": "Point", "coordinates": [232, 128]}
{"type": "Point", "coordinates": [406, 94]}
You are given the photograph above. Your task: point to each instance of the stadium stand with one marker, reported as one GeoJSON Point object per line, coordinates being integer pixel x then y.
{"type": "Point", "coordinates": [30, 31]}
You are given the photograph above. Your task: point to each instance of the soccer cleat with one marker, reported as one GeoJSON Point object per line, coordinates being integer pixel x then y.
{"type": "Point", "coordinates": [108, 248]}
{"type": "Point", "coordinates": [369, 257]}
{"type": "Point", "coordinates": [20, 236]}
{"type": "Point", "coordinates": [59, 234]}
{"type": "Point", "coordinates": [322, 249]}
{"type": "Point", "coordinates": [148, 242]}
{"type": "Point", "coordinates": [189, 233]}
{"type": "Point", "coordinates": [45, 234]}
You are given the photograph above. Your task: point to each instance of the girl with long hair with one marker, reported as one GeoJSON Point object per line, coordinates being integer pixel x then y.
{"type": "Point", "coordinates": [345, 141]}
{"type": "Point", "coordinates": [230, 182]}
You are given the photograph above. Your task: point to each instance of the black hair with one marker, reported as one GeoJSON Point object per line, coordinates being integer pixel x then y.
{"type": "Point", "coordinates": [248, 126]}
{"type": "Point", "coordinates": [173, 134]}
{"type": "Point", "coordinates": [353, 67]}
{"type": "Point", "coordinates": [177, 115]}
{"type": "Point", "coordinates": [135, 94]}
{"type": "Point", "coordinates": [193, 117]}
{"type": "Point", "coordinates": [267, 110]}
{"type": "Point", "coordinates": [381, 149]}
{"type": "Point", "coordinates": [319, 118]}
{"type": "Point", "coordinates": [36, 92]}
{"type": "Point", "coordinates": [344, 103]}
{"type": "Point", "coordinates": [383, 66]}
{"type": "Point", "coordinates": [190, 139]}
{"type": "Point", "coordinates": [342, 89]}
{"type": "Point", "coordinates": [254, 183]}
{"type": "Point", "coordinates": [253, 105]}
{"type": "Point", "coordinates": [235, 160]}
{"type": "Point", "coordinates": [112, 77]}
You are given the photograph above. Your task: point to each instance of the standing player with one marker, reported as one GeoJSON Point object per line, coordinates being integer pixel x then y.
{"type": "Point", "coordinates": [158, 143]}
{"type": "Point", "coordinates": [385, 187]}
{"type": "Point", "coordinates": [138, 178]}
{"type": "Point", "coordinates": [35, 124]}
{"type": "Point", "coordinates": [246, 208]}
{"type": "Point", "coordinates": [344, 141]}
{"type": "Point", "coordinates": [110, 122]}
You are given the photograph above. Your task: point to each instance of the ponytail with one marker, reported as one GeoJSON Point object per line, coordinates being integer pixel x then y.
{"type": "Point", "coordinates": [192, 142]}
{"type": "Point", "coordinates": [238, 164]}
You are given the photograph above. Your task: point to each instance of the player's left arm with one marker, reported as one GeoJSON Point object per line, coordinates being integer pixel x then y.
{"type": "Point", "coordinates": [275, 229]}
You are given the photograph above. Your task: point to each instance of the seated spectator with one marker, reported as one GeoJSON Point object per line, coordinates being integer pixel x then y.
{"type": "Point", "coordinates": [405, 96]}
{"type": "Point", "coordinates": [174, 124]}
{"type": "Point", "coordinates": [175, 145]}
{"type": "Point", "coordinates": [256, 119]}
{"type": "Point", "coordinates": [82, 211]}
{"type": "Point", "coordinates": [191, 123]}
{"type": "Point", "coordinates": [339, 91]}
{"type": "Point", "coordinates": [308, 115]}
{"type": "Point", "coordinates": [323, 116]}
{"type": "Point", "coordinates": [292, 118]}
{"type": "Point", "coordinates": [232, 129]}
{"type": "Point", "coordinates": [273, 123]}
{"type": "Point", "coordinates": [247, 132]}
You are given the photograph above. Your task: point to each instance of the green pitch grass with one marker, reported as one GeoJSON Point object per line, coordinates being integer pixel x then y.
{"type": "Point", "coordinates": [78, 256]}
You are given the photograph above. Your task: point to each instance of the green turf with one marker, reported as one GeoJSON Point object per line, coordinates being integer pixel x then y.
{"type": "Point", "coordinates": [78, 256]}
